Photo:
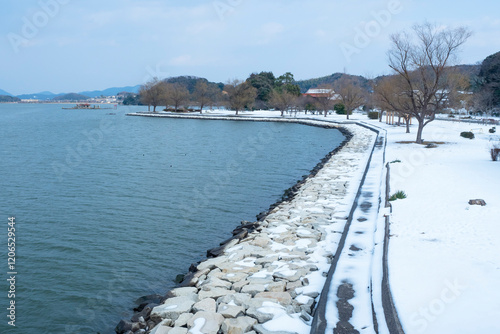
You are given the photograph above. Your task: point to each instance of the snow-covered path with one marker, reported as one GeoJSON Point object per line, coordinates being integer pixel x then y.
{"type": "Point", "coordinates": [352, 298]}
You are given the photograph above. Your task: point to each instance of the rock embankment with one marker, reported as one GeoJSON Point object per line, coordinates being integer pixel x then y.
{"type": "Point", "coordinates": [267, 278]}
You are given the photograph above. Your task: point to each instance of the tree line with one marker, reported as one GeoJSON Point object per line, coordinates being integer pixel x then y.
{"type": "Point", "coordinates": [259, 91]}
{"type": "Point", "coordinates": [423, 83]}
{"type": "Point", "coordinates": [9, 99]}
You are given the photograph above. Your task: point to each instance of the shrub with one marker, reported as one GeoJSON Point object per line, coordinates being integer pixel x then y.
{"type": "Point", "coordinates": [398, 195]}
{"type": "Point", "coordinates": [310, 107]}
{"type": "Point", "coordinates": [373, 115]}
{"type": "Point", "coordinates": [339, 109]}
{"type": "Point", "coordinates": [467, 134]}
{"type": "Point", "coordinates": [493, 130]}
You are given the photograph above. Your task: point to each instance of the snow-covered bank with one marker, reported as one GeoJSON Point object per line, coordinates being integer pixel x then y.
{"type": "Point", "coordinates": [443, 255]}
{"type": "Point", "coordinates": [444, 270]}
{"type": "Point", "coordinates": [270, 279]}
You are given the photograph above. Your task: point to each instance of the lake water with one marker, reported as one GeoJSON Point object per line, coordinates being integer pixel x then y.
{"type": "Point", "coordinates": [109, 208]}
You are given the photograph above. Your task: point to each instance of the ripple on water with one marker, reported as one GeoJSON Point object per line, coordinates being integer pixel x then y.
{"type": "Point", "coordinates": [148, 201]}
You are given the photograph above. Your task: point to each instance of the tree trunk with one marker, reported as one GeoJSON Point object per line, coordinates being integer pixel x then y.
{"type": "Point", "coordinates": [201, 109]}
{"type": "Point", "coordinates": [154, 108]}
{"type": "Point", "coordinates": [347, 113]}
{"type": "Point", "coordinates": [381, 113]}
{"type": "Point", "coordinates": [149, 107]}
{"type": "Point", "coordinates": [419, 131]}
{"type": "Point", "coordinates": [282, 113]}
{"type": "Point", "coordinates": [407, 119]}
{"type": "Point", "coordinates": [236, 111]}
{"type": "Point", "coordinates": [326, 112]}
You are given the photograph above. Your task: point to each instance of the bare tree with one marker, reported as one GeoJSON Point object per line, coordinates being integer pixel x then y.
{"type": "Point", "coordinates": [204, 94]}
{"type": "Point", "coordinates": [282, 100]}
{"type": "Point", "coordinates": [390, 94]}
{"type": "Point", "coordinates": [482, 101]}
{"type": "Point", "coordinates": [153, 93]}
{"type": "Point", "coordinates": [303, 103]}
{"type": "Point", "coordinates": [391, 98]}
{"type": "Point", "coordinates": [458, 89]}
{"type": "Point", "coordinates": [421, 61]}
{"type": "Point", "coordinates": [307, 103]}
{"type": "Point", "coordinates": [325, 99]}
{"type": "Point", "coordinates": [240, 95]}
{"type": "Point", "coordinates": [176, 95]}
{"type": "Point", "coordinates": [351, 95]}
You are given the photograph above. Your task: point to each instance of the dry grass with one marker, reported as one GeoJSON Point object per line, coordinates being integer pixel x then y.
{"type": "Point", "coordinates": [495, 153]}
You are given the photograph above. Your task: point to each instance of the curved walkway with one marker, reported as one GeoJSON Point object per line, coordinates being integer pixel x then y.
{"type": "Point", "coordinates": [326, 245]}
{"type": "Point", "coordinates": [356, 297]}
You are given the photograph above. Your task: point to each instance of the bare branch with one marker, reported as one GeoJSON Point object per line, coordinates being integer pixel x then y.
{"type": "Point", "coordinates": [421, 61]}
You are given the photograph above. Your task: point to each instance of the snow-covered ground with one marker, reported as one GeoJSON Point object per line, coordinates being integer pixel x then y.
{"type": "Point", "coordinates": [444, 254]}
{"type": "Point", "coordinates": [444, 259]}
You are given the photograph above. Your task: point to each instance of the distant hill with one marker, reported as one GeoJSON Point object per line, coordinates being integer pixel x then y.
{"type": "Point", "coordinates": [44, 96]}
{"type": "Point", "coordinates": [2, 92]}
{"type": "Point", "coordinates": [71, 97]}
{"type": "Point", "coordinates": [112, 91]}
{"type": "Point", "coordinates": [190, 82]}
{"type": "Point", "coordinates": [132, 100]}
{"type": "Point", "coordinates": [490, 80]}
{"type": "Point", "coordinates": [8, 98]}
{"type": "Point", "coordinates": [469, 70]}
{"type": "Point", "coordinates": [329, 80]}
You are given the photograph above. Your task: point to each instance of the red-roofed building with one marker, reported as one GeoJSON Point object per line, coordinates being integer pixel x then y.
{"type": "Point", "coordinates": [322, 92]}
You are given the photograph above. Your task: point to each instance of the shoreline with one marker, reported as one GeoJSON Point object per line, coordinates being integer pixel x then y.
{"type": "Point", "coordinates": [262, 265]}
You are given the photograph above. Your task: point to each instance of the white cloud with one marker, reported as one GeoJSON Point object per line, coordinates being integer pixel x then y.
{"type": "Point", "coordinates": [320, 33]}
{"type": "Point", "coordinates": [191, 38]}
{"type": "Point", "coordinates": [267, 33]}
{"type": "Point", "coordinates": [203, 28]}
{"type": "Point", "coordinates": [272, 28]}
{"type": "Point", "coordinates": [184, 60]}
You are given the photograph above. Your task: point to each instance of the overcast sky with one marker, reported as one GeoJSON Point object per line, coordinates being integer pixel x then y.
{"type": "Point", "coordinates": [77, 45]}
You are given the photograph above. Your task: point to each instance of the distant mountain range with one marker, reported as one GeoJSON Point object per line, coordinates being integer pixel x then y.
{"type": "Point", "coordinates": [95, 93]}
{"type": "Point", "coordinates": [111, 91]}
{"type": "Point", "coordinates": [2, 92]}
{"type": "Point", "coordinates": [469, 70]}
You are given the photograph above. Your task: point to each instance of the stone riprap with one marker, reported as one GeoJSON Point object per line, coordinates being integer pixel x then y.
{"type": "Point", "coordinates": [267, 278]}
